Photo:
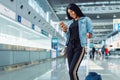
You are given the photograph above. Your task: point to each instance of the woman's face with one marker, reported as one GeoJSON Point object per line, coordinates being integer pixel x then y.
{"type": "Point", "coordinates": [72, 13]}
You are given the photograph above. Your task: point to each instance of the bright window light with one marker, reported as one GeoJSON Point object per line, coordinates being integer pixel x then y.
{"type": "Point", "coordinates": [47, 16]}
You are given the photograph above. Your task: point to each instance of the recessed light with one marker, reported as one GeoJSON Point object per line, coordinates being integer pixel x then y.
{"type": "Point", "coordinates": [34, 17]}
{"type": "Point", "coordinates": [114, 16]}
{"type": "Point", "coordinates": [11, 0]}
{"type": "Point", "coordinates": [103, 5]}
{"type": "Point", "coordinates": [98, 16]}
{"type": "Point", "coordinates": [39, 20]}
{"type": "Point", "coordinates": [21, 7]}
{"type": "Point", "coordinates": [66, 17]}
{"type": "Point", "coordinates": [29, 12]}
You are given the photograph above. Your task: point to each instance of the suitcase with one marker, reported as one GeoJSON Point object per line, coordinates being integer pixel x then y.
{"type": "Point", "coordinates": [93, 76]}
{"type": "Point", "coordinates": [90, 75]}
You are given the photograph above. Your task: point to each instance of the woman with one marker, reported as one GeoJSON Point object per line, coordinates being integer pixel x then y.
{"type": "Point", "coordinates": [77, 30]}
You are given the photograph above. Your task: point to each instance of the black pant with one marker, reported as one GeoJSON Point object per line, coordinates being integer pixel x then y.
{"type": "Point", "coordinates": [75, 54]}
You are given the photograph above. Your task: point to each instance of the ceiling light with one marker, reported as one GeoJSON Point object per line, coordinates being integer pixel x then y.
{"type": "Point", "coordinates": [29, 12]}
{"type": "Point", "coordinates": [103, 5]}
{"type": "Point", "coordinates": [21, 7]}
{"type": "Point", "coordinates": [39, 20]}
{"type": "Point", "coordinates": [34, 17]}
{"type": "Point", "coordinates": [98, 16]}
{"type": "Point", "coordinates": [114, 16]}
{"type": "Point", "coordinates": [66, 17]}
{"type": "Point", "coordinates": [82, 6]}
{"type": "Point", "coordinates": [11, 0]}
{"type": "Point", "coordinates": [62, 8]}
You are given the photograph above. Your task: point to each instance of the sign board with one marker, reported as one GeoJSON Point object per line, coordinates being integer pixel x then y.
{"type": "Point", "coordinates": [55, 45]}
{"type": "Point", "coordinates": [116, 24]}
{"type": "Point", "coordinates": [44, 32]}
{"type": "Point", "coordinates": [19, 18]}
{"type": "Point", "coordinates": [7, 12]}
{"type": "Point", "coordinates": [26, 22]}
{"type": "Point", "coordinates": [37, 29]}
{"type": "Point", "coordinates": [119, 27]}
{"type": "Point", "coordinates": [33, 26]}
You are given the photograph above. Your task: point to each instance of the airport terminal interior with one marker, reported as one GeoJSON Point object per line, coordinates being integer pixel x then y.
{"type": "Point", "coordinates": [31, 39]}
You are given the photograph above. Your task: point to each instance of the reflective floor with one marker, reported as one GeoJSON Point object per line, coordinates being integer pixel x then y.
{"type": "Point", "coordinates": [57, 70]}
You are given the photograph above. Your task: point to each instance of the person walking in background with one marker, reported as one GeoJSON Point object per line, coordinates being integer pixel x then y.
{"type": "Point", "coordinates": [93, 52]}
{"type": "Point", "coordinates": [103, 51]}
{"type": "Point", "coordinates": [77, 30]}
{"type": "Point", "coordinates": [106, 53]}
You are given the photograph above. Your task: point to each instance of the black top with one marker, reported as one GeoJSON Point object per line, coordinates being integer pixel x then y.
{"type": "Point", "coordinates": [74, 33]}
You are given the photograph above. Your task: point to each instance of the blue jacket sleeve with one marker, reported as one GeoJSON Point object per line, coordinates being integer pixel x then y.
{"type": "Point", "coordinates": [89, 26]}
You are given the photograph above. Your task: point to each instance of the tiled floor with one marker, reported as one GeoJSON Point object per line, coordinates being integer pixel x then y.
{"type": "Point", "coordinates": [57, 70]}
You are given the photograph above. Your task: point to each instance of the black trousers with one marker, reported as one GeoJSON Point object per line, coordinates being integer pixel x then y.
{"type": "Point", "coordinates": [75, 54]}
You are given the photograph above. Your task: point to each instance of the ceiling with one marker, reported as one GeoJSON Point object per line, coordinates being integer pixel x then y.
{"type": "Point", "coordinates": [102, 13]}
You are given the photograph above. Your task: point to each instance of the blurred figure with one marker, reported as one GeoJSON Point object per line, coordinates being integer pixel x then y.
{"type": "Point", "coordinates": [90, 54]}
{"type": "Point", "coordinates": [103, 49]}
{"type": "Point", "coordinates": [106, 53]}
{"type": "Point", "coordinates": [93, 52]}
{"type": "Point", "coordinates": [99, 54]}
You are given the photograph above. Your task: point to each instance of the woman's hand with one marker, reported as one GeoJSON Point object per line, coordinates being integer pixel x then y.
{"type": "Point", "coordinates": [89, 35]}
{"type": "Point", "coordinates": [63, 26]}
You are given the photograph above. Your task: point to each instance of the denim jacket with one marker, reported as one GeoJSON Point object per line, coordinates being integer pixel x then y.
{"type": "Point", "coordinates": [84, 26]}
